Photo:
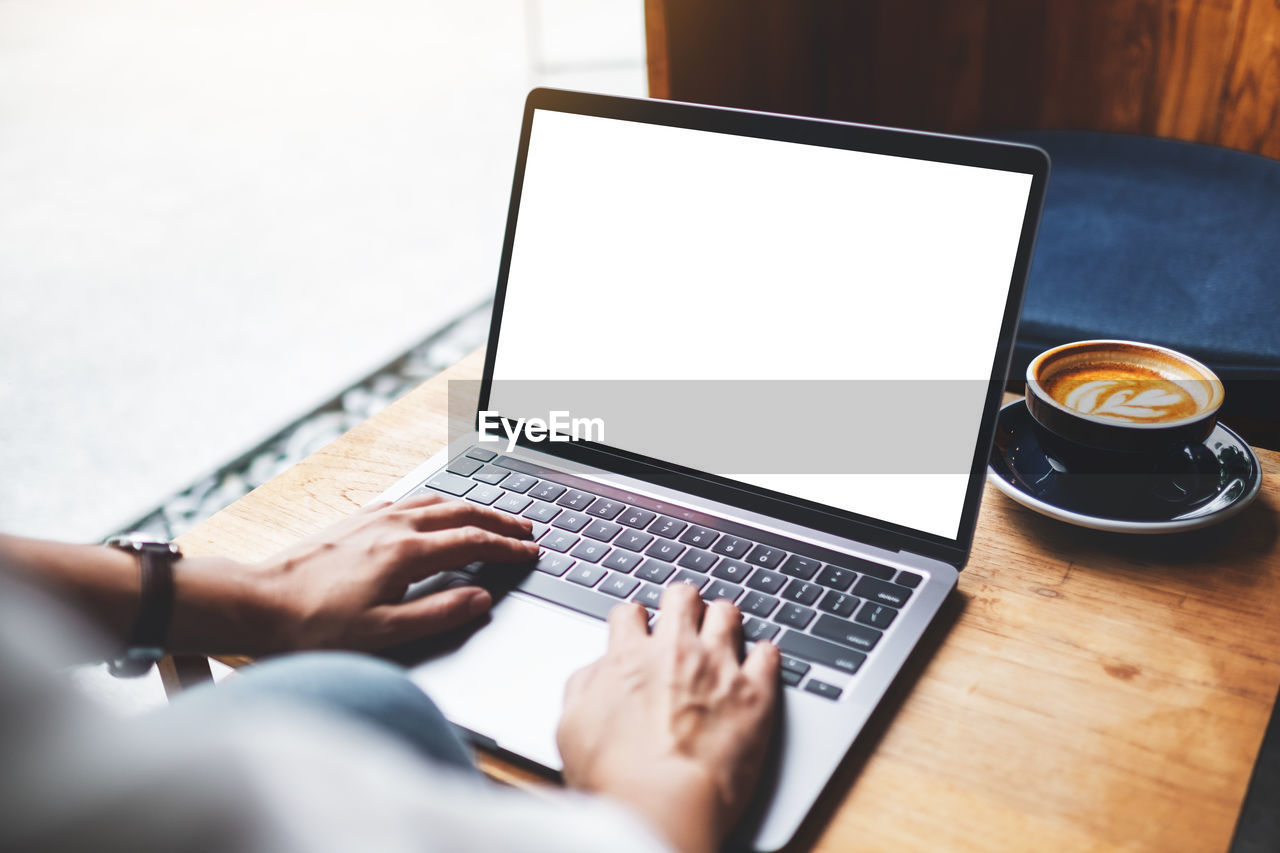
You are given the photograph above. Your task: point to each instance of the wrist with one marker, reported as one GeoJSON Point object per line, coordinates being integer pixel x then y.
{"type": "Point", "coordinates": [683, 806]}
{"type": "Point", "coordinates": [219, 609]}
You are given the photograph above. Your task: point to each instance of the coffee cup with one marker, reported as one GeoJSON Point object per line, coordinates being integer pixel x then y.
{"type": "Point", "coordinates": [1106, 404]}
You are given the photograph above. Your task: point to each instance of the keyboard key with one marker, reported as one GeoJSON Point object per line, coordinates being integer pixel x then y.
{"type": "Point", "coordinates": [590, 551]}
{"type": "Point", "coordinates": [481, 454]}
{"type": "Point", "coordinates": [450, 483]}
{"type": "Point", "coordinates": [732, 570]}
{"type": "Point", "coordinates": [754, 630]}
{"type": "Point", "coordinates": [801, 567]}
{"type": "Point", "coordinates": [484, 494]}
{"type": "Point", "coordinates": [722, 589]}
{"type": "Point", "coordinates": [791, 664]}
{"type": "Point", "coordinates": [653, 570]}
{"type": "Point", "coordinates": [836, 578]}
{"type": "Point", "coordinates": [539, 529]}
{"type": "Point", "coordinates": [758, 604]}
{"type": "Point", "coordinates": [876, 615]}
{"type": "Point", "coordinates": [664, 549]}
{"type": "Point", "coordinates": [794, 615]}
{"type": "Point", "coordinates": [882, 592]}
{"type": "Point", "coordinates": [686, 576]}
{"type": "Point", "coordinates": [542, 511]}
{"type": "Point", "coordinates": [464, 466]}
{"type": "Point", "coordinates": [513, 503]}
{"type": "Point", "coordinates": [699, 537]}
{"type": "Point", "coordinates": [649, 595]}
{"type": "Point", "coordinates": [637, 518]}
{"type": "Point", "coordinates": [491, 475]}
{"type": "Point", "coordinates": [846, 633]}
{"type": "Point", "coordinates": [838, 603]}
{"type": "Point", "coordinates": [566, 594]}
{"type": "Point", "coordinates": [519, 483]}
{"type": "Point", "coordinates": [574, 499]}
{"type": "Point", "coordinates": [602, 530]}
{"type": "Point", "coordinates": [826, 691]}
{"type": "Point", "coordinates": [621, 561]}
{"type": "Point", "coordinates": [585, 574]}
{"type": "Point", "coordinates": [866, 567]}
{"type": "Point", "coordinates": [558, 540]}
{"type": "Point", "coordinates": [666, 527]}
{"type": "Point", "coordinates": [908, 579]}
{"type": "Point", "coordinates": [420, 492]}
{"type": "Point", "coordinates": [699, 561]}
{"type": "Point", "coordinates": [553, 563]}
{"type": "Point", "coordinates": [766, 581]}
{"type": "Point", "coordinates": [802, 592]}
{"type": "Point", "coordinates": [790, 677]}
{"type": "Point", "coordinates": [634, 540]}
{"type": "Point", "coordinates": [820, 651]}
{"type": "Point", "coordinates": [619, 585]}
{"type": "Point", "coordinates": [605, 508]}
{"type": "Point", "coordinates": [763, 555]}
{"type": "Point", "coordinates": [571, 520]}
{"type": "Point", "coordinates": [731, 546]}
{"type": "Point", "coordinates": [545, 491]}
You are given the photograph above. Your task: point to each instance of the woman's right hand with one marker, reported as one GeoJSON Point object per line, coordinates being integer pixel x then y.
{"type": "Point", "coordinates": [673, 724]}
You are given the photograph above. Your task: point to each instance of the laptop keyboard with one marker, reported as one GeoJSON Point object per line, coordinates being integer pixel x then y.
{"type": "Point", "coordinates": [817, 606]}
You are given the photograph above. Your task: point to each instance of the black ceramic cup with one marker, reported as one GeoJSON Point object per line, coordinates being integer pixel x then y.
{"type": "Point", "coordinates": [1110, 406]}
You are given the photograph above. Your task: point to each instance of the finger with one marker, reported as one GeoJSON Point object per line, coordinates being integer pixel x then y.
{"type": "Point", "coordinates": [452, 549]}
{"type": "Point", "coordinates": [761, 665]}
{"type": "Point", "coordinates": [628, 625]}
{"type": "Point", "coordinates": [680, 611]}
{"type": "Point", "coordinates": [375, 506]}
{"type": "Point", "coordinates": [424, 499]}
{"type": "Point", "coordinates": [573, 687]}
{"type": "Point", "coordinates": [431, 614]}
{"type": "Point", "coordinates": [722, 628]}
{"type": "Point", "coordinates": [448, 514]}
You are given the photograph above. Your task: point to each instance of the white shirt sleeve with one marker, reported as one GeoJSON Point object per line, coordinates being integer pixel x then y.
{"type": "Point", "coordinates": [272, 778]}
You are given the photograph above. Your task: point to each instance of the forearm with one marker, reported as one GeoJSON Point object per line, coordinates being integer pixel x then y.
{"type": "Point", "coordinates": [215, 608]}
{"type": "Point", "coordinates": [102, 582]}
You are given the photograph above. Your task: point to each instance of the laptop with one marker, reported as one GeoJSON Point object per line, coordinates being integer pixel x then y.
{"type": "Point", "coordinates": [756, 353]}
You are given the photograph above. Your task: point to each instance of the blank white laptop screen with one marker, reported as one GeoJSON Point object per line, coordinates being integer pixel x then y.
{"type": "Point", "coordinates": [646, 252]}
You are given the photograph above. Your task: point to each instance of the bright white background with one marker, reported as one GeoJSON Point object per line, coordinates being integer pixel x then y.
{"type": "Point", "coordinates": [636, 241]}
{"type": "Point", "coordinates": [214, 214]}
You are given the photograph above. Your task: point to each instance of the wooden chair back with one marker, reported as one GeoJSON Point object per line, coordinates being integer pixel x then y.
{"type": "Point", "coordinates": [1199, 70]}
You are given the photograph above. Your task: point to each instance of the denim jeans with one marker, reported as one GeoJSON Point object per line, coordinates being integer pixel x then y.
{"type": "Point", "coordinates": [370, 691]}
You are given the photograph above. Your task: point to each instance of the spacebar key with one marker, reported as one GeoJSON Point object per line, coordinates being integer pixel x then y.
{"type": "Point", "coordinates": [820, 651]}
{"type": "Point", "coordinates": [542, 585]}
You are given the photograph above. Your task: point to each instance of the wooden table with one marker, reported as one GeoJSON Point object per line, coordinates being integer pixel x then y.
{"type": "Point", "coordinates": [1083, 691]}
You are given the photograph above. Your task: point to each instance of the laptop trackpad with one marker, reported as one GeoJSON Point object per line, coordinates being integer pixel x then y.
{"type": "Point", "coordinates": [506, 682]}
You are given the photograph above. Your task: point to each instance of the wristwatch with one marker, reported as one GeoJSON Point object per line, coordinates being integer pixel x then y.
{"type": "Point", "coordinates": [155, 608]}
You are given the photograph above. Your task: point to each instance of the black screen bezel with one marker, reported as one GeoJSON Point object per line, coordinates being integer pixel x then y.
{"type": "Point", "coordinates": [965, 151]}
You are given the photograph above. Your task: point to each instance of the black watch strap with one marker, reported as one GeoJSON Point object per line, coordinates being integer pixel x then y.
{"type": "Point", "coordinates": [155, 606]}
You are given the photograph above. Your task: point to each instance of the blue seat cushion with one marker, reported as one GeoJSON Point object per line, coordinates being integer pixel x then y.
{"type": "Point", "coordinates": [1160, 241]}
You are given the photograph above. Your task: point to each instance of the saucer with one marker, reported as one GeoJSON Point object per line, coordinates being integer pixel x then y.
{"type": "Point", "coordinates": [1204, 484]}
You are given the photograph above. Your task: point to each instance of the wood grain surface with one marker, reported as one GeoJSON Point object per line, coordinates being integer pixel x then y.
{"type": "Point", "coordinates": [1199, 70]}
{"type": "Point", "coordinates": [1082, 691]}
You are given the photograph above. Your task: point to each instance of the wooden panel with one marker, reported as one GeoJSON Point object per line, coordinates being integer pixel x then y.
{"type": "Point", "coordinates": [1082, 691]}
{"type": "Point", "coordinates": [1200, 70]}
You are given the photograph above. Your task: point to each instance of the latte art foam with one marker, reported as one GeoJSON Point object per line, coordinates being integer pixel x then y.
{"type": "Point", "coordinates": [1126, 393]}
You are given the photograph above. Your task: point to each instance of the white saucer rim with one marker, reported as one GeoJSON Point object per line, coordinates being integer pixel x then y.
{"type": "Point", "coordinates": [1115, 525]}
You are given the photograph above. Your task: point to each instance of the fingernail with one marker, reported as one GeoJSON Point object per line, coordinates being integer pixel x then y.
{"type": "Point", "coordinates": [479, 602]}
